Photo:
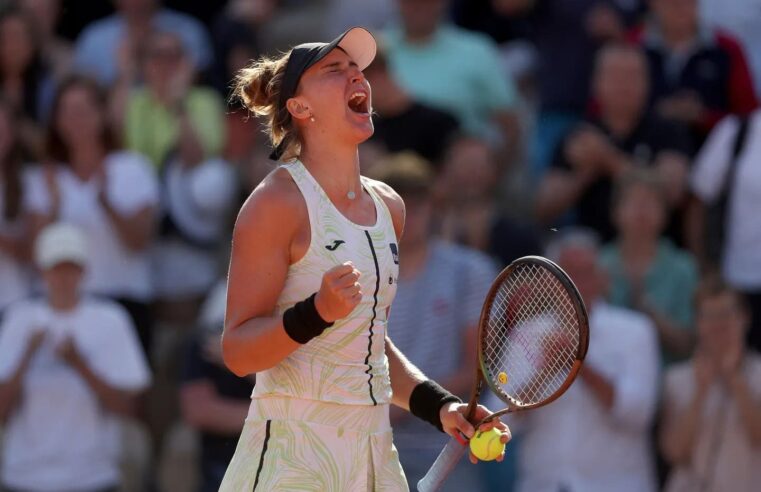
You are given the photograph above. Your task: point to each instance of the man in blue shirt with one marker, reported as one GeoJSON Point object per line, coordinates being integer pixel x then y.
{"type": "Point", "coordinates": [105, 44]}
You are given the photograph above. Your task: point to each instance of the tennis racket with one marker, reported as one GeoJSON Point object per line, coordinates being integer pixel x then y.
{"type": "Point", "coordinates": [532, 338]}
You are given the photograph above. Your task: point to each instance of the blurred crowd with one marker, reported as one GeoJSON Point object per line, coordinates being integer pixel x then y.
{"type": "Point", "coordinates": [620, 138]}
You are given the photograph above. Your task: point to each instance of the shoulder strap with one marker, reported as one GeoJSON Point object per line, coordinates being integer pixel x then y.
{"type": "Point", "coordinates": [737, 148]}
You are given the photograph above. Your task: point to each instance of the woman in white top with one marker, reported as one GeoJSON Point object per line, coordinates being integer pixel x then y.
{"type": "Point", "coordinates": [14, 276]}
{"type": "Point", "coordinates": [110, 194]}
{"type": "Point", "coordinates": [312, 276]}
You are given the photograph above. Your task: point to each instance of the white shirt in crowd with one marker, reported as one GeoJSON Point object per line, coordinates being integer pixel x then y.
{"type": "Point", "coordinates": [723, 457]}
{"type": "Point", "coordinates": [574, 444]}
{"type": "Point", "coordinates": [131, 184]}
{"type": "Point", "coordinates": [15, 277]}
{"type": "Point", "coordinates": [742, 254]}
{"type": "Point", "coordinates": [199, 201]}
{"type": "Point", "coordinates": [60, 437]}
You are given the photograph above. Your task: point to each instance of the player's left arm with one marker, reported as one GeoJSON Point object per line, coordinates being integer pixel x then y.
{"type": "Point", "coordinates": [407, 379]}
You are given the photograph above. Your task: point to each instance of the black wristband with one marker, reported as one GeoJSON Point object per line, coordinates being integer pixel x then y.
{"type": "Point", "coordinates": [302, 322]}
{"type": "Point", "coordinates": [426, 401]}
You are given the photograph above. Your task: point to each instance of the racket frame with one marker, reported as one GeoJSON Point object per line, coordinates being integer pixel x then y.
{"type": "Point", "coordinates": [456, 447]}
{"type": "Point", "coordinates": [581, 349]}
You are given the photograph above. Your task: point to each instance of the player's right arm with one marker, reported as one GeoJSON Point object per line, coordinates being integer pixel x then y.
{"type": "Point", "coordinates": [271, 233]}
{"type": "Point", "coordinates": [266, 227]}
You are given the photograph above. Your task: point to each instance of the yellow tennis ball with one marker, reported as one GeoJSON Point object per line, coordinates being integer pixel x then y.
{"type": "Point", "coordinates": [486, 445]}
{"type": "Point", "coordinates": [502, 378]}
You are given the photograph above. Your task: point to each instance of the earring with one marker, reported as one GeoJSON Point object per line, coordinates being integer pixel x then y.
{"type": "Point", "coordinates": [311, 118]}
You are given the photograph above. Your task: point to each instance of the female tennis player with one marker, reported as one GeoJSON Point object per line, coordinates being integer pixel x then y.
{"type": "Point", "coordinates": [312, 276]}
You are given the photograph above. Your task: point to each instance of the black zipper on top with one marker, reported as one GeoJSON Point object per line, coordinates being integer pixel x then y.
{"type": "Point", "coordinates": [372, 320]}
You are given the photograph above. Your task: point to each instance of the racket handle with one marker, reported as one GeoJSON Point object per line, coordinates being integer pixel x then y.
{"type": "Point", "coordinates": [442, 467]}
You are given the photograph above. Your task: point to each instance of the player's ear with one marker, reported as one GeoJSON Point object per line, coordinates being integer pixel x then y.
{"type": "Point", "coordinates": [298, 108]}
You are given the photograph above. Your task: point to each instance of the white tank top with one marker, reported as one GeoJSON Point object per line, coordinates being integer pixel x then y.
{"type": "Point", "coordinates": [347, 363]}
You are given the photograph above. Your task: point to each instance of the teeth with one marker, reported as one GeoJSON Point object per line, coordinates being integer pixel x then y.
{"type": "Point", "coordinates": [357, 95]}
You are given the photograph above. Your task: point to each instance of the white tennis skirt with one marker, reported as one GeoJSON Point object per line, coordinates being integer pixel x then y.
{"type": "Point", "coordinates": [290, 444]}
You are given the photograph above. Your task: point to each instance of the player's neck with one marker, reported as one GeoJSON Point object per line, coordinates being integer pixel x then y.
{"type": "Point", "coordinates": [335, 168]}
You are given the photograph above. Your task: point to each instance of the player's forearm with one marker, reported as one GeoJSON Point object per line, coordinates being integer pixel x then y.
{"type": "Point", "coordinates": [404, 376]}
{"type": "Point", "coordinates": [256, 345]}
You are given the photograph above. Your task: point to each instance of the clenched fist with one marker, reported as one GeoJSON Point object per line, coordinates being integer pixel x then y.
{"type": "Point", "coordinates": [339, 292]}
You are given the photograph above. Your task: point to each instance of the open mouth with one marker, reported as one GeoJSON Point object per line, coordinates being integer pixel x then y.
{"type": "Point", "coordinates": [358, 103]}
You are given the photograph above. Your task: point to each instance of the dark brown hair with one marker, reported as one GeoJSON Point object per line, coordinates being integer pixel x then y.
{"type": "Point", "coordinates": [258, 87]}
{"type": "Point", "coordinates": [55, 147]}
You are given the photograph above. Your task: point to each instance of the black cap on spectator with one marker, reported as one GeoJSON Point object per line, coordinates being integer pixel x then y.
{"type": "Point", "coordinates": [357, 42]}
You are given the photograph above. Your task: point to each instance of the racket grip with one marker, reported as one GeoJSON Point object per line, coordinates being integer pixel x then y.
{"type": "Point", "coordinates": [442, 467]}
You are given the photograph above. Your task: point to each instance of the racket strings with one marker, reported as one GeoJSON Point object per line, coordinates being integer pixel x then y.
{"type": "Point", "coordinates": [531, 336]}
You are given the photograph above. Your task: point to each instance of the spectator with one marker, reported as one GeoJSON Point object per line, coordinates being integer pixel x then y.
{"type": "Point", "coordinates": [76, 357]}
{"type": "Point", "coordinates": [290, 22]}
{"type": "Point", "coordinates": [453, 70]}
{"type": "Point", "coordinates": [111, 194]}
{"type": "Point", "coordinates": [234, 36]}
{"type": "Point", "coordinates": [566, 35]}
{"type": "Point", "coordinates": [441, 289]}
{"type": "Point", "coordinates": [739, 17]}
{"type": "Point", "coordinates": [595, 437]}
{"type": "Point", "coordinates": [57, 52]}
{"type": "Point", "coordinates": [624, 135]}
{"type": "Point", "coordinates": [484, 16]}
{"type": "Point", "coordinates": [469, 213]}
{"type": "Point", "coordinates": [23, 77]}
{"type": "Point", "coordinates": [372, 14]}
{"type": "Point", "coordinates": [214, 401]}
{"type": "Point", "coordinates": [15, 284]}
{"type": "Point", "coordinates": [711, 431]}
{"type": "Point", "coordinates": [737, 229]}
{"type": "Point", "coordinates": [170, 115]}
{"type": "Point", "coordinates": [104, 43]}
{"type": "Point", "coordinates": [197, 201]}
{"type": "Point", "coordinates": [647, 272]}
{"type": "Point", "coordinates": [403, 123]}
{"type": "Point", "coordinates": [235, 33]}
{"type": "Point", "coordinates": [698, 75]}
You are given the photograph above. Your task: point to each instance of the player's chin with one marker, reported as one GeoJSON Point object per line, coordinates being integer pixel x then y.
{"type": "Point", "coordinates": [361, 125]}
